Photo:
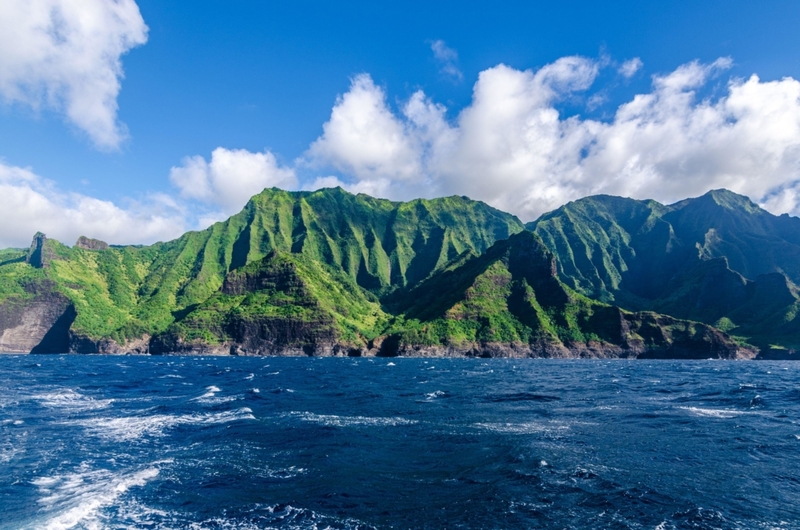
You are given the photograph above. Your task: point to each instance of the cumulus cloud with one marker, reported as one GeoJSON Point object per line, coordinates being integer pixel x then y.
{"type": "Point", "coordinates": [448, 60]}
{"type": "Point", "coordinates": [31, 204]}
{"type": "Point", "coordinates": [512, 148]}
{"type": "Point", "coordinates": [629, 68]}
{"type": "Point", "coordinates": [230, 178]}
{"type": "Point", "coordinates": [65, 55]}
{"type": "Point", "coordinates": [364, 139]}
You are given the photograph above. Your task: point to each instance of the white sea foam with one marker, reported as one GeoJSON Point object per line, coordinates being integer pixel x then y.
{"type": "Point", "coordinates": [280, 516]}
{"type": "Point", "coordinates": [522, 428]}
{"type": "Point", "coordinates": [69, 399]}
{"type": "Point", "coordinates": [77, 499]}
{"type": "Point", "coordinates": [210, 397]}
{"type": "Point", "coordinates": [714, 413]}
{"type": "Point", "coordinates": [351, 421]}
{"type": "Point", "coordinates": [435, 394]}
{"type": "Point", "coordinates": [211, 391]}
{"type": "Point", "coordinates": [8, 452]}
{"type": "Point", "coordinates": [131, 428]}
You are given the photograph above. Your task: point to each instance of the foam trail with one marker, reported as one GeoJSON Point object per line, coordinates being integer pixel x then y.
{"type": "Point", "coordinates": [132, 428]}
{"type": "Point", "coordinates": [69, 399]}
{"type": "Point", "coordinates": [349, 421]}
{"type": "Point", "coordinates": [79, 497]}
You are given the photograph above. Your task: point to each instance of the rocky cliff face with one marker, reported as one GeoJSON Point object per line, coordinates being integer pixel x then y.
{"type": "Point", "coordinates": [38, 322]}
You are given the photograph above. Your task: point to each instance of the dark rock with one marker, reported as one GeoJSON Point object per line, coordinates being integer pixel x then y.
{"type": "Point", "coordinates": [90, 244]}
{"type": "Point", "coordinates": [39, 254]}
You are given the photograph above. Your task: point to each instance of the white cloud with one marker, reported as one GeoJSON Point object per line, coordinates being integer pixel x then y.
{"type": "Point", "coordinates": [324, 182]}
{"type": "Point", "coordinates": [65, 55]}
{"type": "Point", "coordinates": [364, 139]}
{"type": "Point", "coordinates": [448, 60]}
{"type": "Point", "coordinates": [509, 147]}
{"type": "Point", "coordinates": [31, 204]}
{"type": "Point", "coordinates": [629, 68]}
{"type": "Point", "coordinates": [512, 148]}
{"type": "Point", "coordinates": [230, 178]}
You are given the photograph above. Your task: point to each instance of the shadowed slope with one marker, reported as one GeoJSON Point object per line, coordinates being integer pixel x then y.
{"type": "Point", "coordinates": [510, 302]}
{"type": "Point", "coordinates": [705, 259]}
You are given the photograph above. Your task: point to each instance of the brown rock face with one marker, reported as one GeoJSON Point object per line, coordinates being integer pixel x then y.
{"type": "Point", "coordinates": [90, 244]}
{"type": "Point", "coordinates": [82, 344]}
{"type": "Point", "coordinates": [38, 324]}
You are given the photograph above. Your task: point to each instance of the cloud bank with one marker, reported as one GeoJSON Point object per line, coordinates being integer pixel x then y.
{"type": "Point", "coordinates": [511, 148]}
{"type": "Point", "coordinates": [31, 203]}
{"type": "Point", "coordinates": [65, 55]}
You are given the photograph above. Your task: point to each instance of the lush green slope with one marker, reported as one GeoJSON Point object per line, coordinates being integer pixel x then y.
{"type": "Point", "coordinates": [124, 293]}
{"type": "Point", "coordinates": [713, 259]}
{"type": "Point", "coordinates": [281, 302]}
{"type": "Point", "coordinates": [509, 301]}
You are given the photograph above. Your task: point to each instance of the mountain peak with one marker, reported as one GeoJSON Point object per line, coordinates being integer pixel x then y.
{"type": "Point", "coordinates": [724, 198]}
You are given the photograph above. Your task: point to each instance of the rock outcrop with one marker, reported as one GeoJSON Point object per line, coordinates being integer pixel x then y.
{"type": "Point", "coordinates": [90, 244]}
{"type": "Point", "coordinates": [39, 253]}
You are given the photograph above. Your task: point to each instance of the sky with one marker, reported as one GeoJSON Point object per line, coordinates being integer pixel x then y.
{"type": "Point", "coordinates": [134, 121]}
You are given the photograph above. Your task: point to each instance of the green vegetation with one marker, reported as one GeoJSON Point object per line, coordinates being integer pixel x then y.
{"type": "Point", "coordinates": [718, 259]}
{"type": "Point", "coordinates": [290, 288]}
{"type": "Point", "coordinates": [380, 246]}
{"type": "Point", "coordinates": [511, 295]}
{"type": "Point", "coordinates": [329, 271]}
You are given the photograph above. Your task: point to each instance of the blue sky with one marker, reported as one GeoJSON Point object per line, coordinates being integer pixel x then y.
{"type": "Point", "coordinates": [525, 105]}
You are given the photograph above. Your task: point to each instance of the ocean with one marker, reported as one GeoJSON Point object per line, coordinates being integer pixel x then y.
{"type": "Point", "coordinates": [357, 443]}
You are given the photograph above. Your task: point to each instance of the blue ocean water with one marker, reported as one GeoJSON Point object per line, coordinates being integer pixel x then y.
{"type": "Point", "coordinates": [218, 443]}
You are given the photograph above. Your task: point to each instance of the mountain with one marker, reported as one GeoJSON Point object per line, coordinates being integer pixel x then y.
{"type": "Point", "coordinates": [510, 302]}
{"type": "Point", "coordinates": [719, 259]}
{"type": "Point", "coordinates": [332, 273]}
{"type": "Point", "coordinates": [95, 298]}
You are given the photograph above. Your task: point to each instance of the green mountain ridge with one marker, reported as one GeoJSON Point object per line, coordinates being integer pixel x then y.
{"type": "Point", "coordinates": [124, 296]}
{"type": "Point", "coordinates": [510, 302]}
{"type": "Point", "coordinates": [718, 259]}
{"type": "Point", "coordinates": [332, 273]}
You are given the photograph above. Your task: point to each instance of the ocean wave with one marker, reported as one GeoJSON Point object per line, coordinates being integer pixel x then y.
{"type": "Point", "coordinates": [131, 428]}
{"type": "Point", "coordinates": [78, 498]}
{"type": "Point", "coordinates": [521, 396]}
{"type": "Point", "coordinates": [436, 394]}
{"type": "Point", "coordinates": [210, 397]}
{"type": "Point", "coordinates": [331, 420]}
{"type": "Point", "coordinates": [714, 413]}
{"type": "Point", "coordinates": [71, 400]}
{"type": "Point", "coordinates": [521, 428]}
{"type": "Point", "coordinates": [281, 516]}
